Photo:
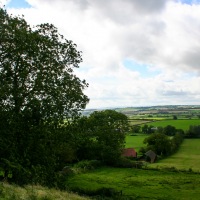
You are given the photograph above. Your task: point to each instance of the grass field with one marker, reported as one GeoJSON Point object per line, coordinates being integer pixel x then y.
{"type": "Point", "coordinates": [187, 157]}
{"type": "Point", "coordinates": [153, 183]}
{"type": "Point", "coordinates": [135, 141]}
{"type": "Point", "coordinates": [140, 184]}
{"type": "Point", "coordinates": [179, 124]}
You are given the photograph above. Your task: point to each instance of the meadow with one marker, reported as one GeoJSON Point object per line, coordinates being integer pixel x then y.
{"type": "Point", "coordinates": [138, 183]}
{"type": "Point", "coordinates": [187, 157]}
{"type": "Point", "coordinates": [135, 141]}
{"type": "Point", "coordinates": [175, 177]}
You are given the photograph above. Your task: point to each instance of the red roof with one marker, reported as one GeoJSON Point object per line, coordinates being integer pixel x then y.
{"type": "Point", "coordinates": [129, 152]}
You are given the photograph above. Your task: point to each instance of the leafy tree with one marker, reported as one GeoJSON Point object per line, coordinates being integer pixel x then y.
{"type": "Point", "coordinates": [193, 132]}
{"type": "Point", "coordinates": [147, 129]}
{"type": "Point", "coordinates": [38, 91]}
{"type": "Point", "coordinates": [135, 128]}
{"type": "Point", "coordinates": [159, 142]}
{"type": "Point", "coordinates": [109, 130]}
{"type": "Point", "coordinates": [169, 130]}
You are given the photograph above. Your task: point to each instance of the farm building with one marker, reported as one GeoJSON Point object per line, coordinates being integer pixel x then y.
{"type": "Point", "coordinates": [129, 152]}
{"type": "Point", "coordinates": [151, 155]}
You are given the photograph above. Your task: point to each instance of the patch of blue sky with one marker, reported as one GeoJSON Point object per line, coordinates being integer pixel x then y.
{"type": "Point", "coordinates": [189, 2]}
{"type": "Point", "coordinates": [143, 69]}
{"type": "Point", "coordinates": [18, 4]}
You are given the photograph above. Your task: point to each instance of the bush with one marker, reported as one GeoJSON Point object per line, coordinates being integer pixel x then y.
{"type": "Point", "coordinates": [88, 164]}
{"type": "Point", "coordinates": [128, 163]}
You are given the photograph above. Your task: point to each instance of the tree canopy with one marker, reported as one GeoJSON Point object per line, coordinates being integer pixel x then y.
{"type": "Point", "coordinates": [101, 136]}
{"type": "Point", "coordinates": [38, 93]}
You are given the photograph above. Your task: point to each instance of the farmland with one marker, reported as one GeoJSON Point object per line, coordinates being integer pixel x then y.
{"type": "Point", "coordinates": [188, 157]}
{"type": "Point", "coordinates": [171, 178]}
{"type": "Point", "coordinates": [178, 124]}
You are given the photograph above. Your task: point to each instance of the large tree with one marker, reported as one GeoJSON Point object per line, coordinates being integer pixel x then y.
{"type": "Point", "coordinates": [38, 91]}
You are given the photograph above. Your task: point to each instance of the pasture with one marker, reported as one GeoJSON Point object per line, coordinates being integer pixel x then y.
{"type": "Point", "coordinates": [178, 124]}
{"type": "Point", "coordinates": [139, 184]}
{"type": "Point", "coordinates": [135, 141]}
{"type": "Point", "coordinates": [187, 157]}
{"type": "Point", "coordinates": [176, 177]}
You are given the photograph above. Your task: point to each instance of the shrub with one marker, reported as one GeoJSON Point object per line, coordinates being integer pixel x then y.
{"type": "Point", "coordinates": [128, 163]}
{"type": "Point", "coordinates": [88, 164]}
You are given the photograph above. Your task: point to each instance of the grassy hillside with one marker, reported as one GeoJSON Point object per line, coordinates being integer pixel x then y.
{"type": "Point", "coordinates": [188, 156]}
{"type": "Point", "coordinates": [161, 181]}
{"type": "Point", "coordinates": [140, 184]}
{"type": "Point", "coordinates": [13, 192]}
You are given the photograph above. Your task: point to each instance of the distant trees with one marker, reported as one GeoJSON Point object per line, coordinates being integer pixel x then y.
{"type": "Point", "coordinates": [136, 129]}
{"type": "Point", "coordinates": [148, 129]}
{"type": "Point", "coordinates": [193, 132]}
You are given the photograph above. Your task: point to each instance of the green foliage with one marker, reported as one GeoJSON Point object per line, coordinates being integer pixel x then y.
{"type": "Point", "coordinates": [109, 130]}
{"type": "Point", "coordinates": [159, 143]}
{"type": "Point", "coordinates": [88, 164]}
{"type": "Point", "coordinates": [135, 129]}
{"type": "Point", "coordinates": [38, 91]}
{"type": "Point", "coordinates": [147, 129]}
{"type": "Point", "coordinates": [169, 130]}
{"type": "Point", "coordinates": [163, 145]}
{"type": "Point", "coordinates": [193, 132]}
{"type": "Point", "coordinates": [101, 136]}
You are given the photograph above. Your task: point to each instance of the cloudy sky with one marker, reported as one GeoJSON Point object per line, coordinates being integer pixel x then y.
{"type": "Point", "coordinates": [135, 52]}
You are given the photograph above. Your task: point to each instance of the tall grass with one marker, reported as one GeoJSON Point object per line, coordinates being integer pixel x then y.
{"type": "Point", "coordinates": [13, 192]}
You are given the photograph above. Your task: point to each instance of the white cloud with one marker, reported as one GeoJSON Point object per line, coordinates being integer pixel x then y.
{"type": "Point", "coordinates": [4, 2]}
{"type": "Point", "coordinates": [162, 35]}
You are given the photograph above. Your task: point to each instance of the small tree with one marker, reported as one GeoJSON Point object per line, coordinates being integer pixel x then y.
{"type": "Point", "coordinates": [193, 132]}
{"type": "Point", "coordinates": [159, 142]}
{"type": "Point", "coordinates": [135, 129]}
{"type": "Point", "coordinates": [169, 130]}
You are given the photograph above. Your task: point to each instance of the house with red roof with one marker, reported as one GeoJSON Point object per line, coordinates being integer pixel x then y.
{"type": "Point", "coordinates": [129, 152]}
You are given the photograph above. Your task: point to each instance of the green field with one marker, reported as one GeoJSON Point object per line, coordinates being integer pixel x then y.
{"type": "Point", "coordinates": [152, 183]}
{"type": "Point", "coordinates": [187, 157]}
{"type": "Point", "coordinates": [178, 124]}
{"type": "Point", "coordinates": [139, 184]}
{"type": "Point", "coordinates": [135, 141]}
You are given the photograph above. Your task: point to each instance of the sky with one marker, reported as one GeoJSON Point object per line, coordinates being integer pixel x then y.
{"type": "Point", "coordinates": [135, 52]}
